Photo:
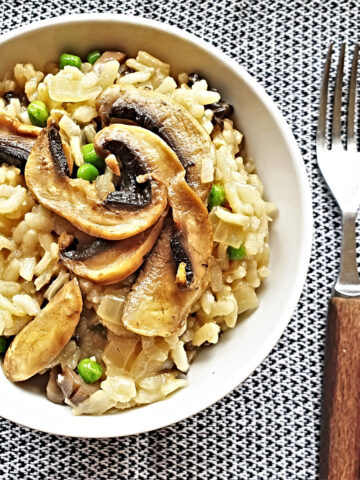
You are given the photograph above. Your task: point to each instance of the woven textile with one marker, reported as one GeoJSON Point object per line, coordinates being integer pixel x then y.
{"type": "Point", "coordinates": [268, 428]}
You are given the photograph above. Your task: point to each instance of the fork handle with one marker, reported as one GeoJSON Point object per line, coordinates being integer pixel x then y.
{"type": "Point", "coordinates": [340, 435]}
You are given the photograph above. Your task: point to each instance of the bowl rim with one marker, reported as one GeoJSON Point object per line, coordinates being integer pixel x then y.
{"type": "Point", "coordinates": [306, 221]}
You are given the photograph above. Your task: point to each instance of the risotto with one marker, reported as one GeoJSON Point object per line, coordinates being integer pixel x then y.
{"type": "Point", "coordinates": [133, 229]}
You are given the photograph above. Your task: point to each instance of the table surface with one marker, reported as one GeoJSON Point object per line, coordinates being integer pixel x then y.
{"type": "Point", "coordinates": [268, 428]}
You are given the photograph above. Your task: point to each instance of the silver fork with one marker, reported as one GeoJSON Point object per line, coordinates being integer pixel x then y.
{"type": "Point", "coordinates": [340, 167]}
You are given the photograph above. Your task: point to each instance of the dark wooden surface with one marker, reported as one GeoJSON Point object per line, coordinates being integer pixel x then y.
{"type": "Point", "coordinates": [340, 435]}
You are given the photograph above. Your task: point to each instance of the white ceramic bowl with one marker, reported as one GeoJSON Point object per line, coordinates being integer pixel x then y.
{"type": "Point", "coordinates": [219, 369]}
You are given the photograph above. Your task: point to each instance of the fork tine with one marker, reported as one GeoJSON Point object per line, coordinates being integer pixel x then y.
{"type": "Point", "coordinates": [321, 130]}
{"type": "Point", "coordinates": [352, 101]}
{"type": "Point", "coordinates": [336, 124]}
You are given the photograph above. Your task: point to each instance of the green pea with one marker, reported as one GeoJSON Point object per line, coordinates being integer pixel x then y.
{"type": "Point", "coordinates": [3, 345]}
{"type": "Point", "coordinates": [69, 59]}
{"type": "Point", "coordinates": [90, 156]}
{"type": "Point", "coordinates": [216, 196]}
{"type": "Point", "coordinates": [90, 370]}
{"type": "Point", "coordinates": [88, 172]}
{"type": "Point", "coordinates": [93, 56]}
{"type": "Point", "coordinates": [236, 253]}
{"type": "Point", "coordinates": [38, 113]}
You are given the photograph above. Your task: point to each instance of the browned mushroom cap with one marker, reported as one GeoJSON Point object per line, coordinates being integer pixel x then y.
{"type": "Point", "coordinates": [192, 243]}
{"type": "Point", "coordinates": [102, 261]}
{"type": "Point", "coordinates": [156, 305]}
{"type": "Point", "coordinates": [44, 338]}
{"type": "Point", "coordinates": [138, 207]}
{"type": "Point", "coordinates": [16, 141]}
{"type": "Point", "coordinates": [167, 119]}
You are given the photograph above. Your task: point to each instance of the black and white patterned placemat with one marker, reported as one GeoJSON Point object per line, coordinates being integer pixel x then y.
{"type": "Point", "coordinates": [268, 428]}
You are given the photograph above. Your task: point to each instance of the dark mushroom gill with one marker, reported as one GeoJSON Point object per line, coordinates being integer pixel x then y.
{"type": "Point", "coordinates": [57, 151]}
{"type": "Point", "coordinates": [76, 251]}
{"type": "Point", "coordinates": [129, 193]}
{"type": "Point", "coordinates": [180, 256]}
{"type": "Point", "coordinates": [16, 141]}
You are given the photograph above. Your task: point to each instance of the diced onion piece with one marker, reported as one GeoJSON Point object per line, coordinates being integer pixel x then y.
{"type": "Point", "coordinates": [245, 297]}
{"type": "Point", "coordinates": [171, 384]}
{"type": "Point", "coordinates": [157, 387]}
{"type": "Point", "coordinates": [229, 234]}
{"type": "Point", "coordinates": [97, 404]}
{"type": "Point", "coordinates": [111, 308]}
{"type": "Point", "coordinates": [119, 388]}
{"type": "Point", "coordinates": [70, 85]}
{"type": "Point", "coordinates": [62, 90]}
{"type": "Point", "coordinates": [236, 219]}
{"type": "Point", "coordinates": [249, 194]}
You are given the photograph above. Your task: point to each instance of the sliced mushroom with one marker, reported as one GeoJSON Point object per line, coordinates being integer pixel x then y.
{"type": "Point", "coordinates": [194, 232]}
{"type": "Point", "coordinates": [44, 338]}
{"type": "Point", "coordinates": [16, 141]}
{"type": "Point", "coordinates": [156, 305]}
{"type": "Point", "coordinates": [102, 261]}
{"type": "Point", "coordinates": [74, 388]}
{"type": "Point", "coordinates": [134, 210]}
{"type": "Point", "coordinates": [192, 240]}
{"type": "Point", "coordinates": [108, 56]}
{"type": "Point", "coordinates": [167, 119]}
{"type": "Point", "coordinates": [53, 391]}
